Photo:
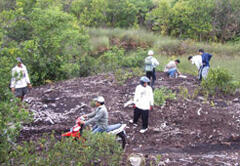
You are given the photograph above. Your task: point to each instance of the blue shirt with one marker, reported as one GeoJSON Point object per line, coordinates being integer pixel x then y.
{"type": "Point", "coordinates": [206, 58]}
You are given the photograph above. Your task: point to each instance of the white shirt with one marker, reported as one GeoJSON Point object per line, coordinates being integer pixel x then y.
{"type": "Point", "coordinates": [143, 97]}
{"type": "Point", "coordinates": [197, 60]}
{"type": "Point", "coordinates": [170, 65]}
{"type": "Point", "coordinates": [20, 77]}
{"type": "Point", "coordinates": [154, 61]}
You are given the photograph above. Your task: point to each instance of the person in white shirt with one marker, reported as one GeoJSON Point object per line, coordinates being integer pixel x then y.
{"type": "Point", "coordinates": [196, 60]}
{"type": "Point", "coordinates": [171, 68]}
{"type": "Point", "coordinates": [150, 64]}
{"type": "Point", "coordinates": [143, 102]}
{"type": "Point", "coordinates": [20, 80]}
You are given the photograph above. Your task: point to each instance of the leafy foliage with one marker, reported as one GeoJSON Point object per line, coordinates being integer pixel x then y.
{"type": "Point", "coordinates": [122, 76]}
{"type": "Point", "coordinates": [12, 112]}
{"type": "Point", "coordinates": [47, 39]}
{"type": "Point", "coordinates": [100, 149]}
{"type": "Point", "coordinates": [162, 94]}
{"type": "Point", "coordinates": [219, 79]}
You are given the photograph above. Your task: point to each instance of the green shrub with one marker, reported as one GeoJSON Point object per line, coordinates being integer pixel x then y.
{"type": "Point", "coordinates": [88, 65]}
{"type": "Point", "coordinates": [183, 92]}
{"type": "Point", "coordinates": [122, 75]}
{"type": "Point", "coordinates": [12, 112]}
{"type": "Point", "coordinates": [162, 94]}
{"type": "Point", "coordinates": [111, 60]}
{"type": "Point", "coordinates": [134, 59]}
{"type": "Point", "coordinates": [97, 149]}
{"type": "Point", "coordinates": [46, 38]}
{"type": "Point", "coordinates": [219, 79]}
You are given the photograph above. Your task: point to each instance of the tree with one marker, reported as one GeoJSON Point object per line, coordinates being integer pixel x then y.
{"type": "Point", "coordinates": [160, 17]}
{"type": "Point", "coordinates": [121, 13]}
{"type": "Point", "coordinates": [226, 19]}
{"type": "Point", "coordinates": [90, 12]}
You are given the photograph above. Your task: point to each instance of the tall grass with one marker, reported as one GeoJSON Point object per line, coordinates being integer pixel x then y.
{"type": "Point", "coordinates": [164, 44]}
{"type": "Point", "coordinates": [166, 48]}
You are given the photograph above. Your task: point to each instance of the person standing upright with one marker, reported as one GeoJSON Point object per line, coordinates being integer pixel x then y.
{"type": "Point", "coordinates": [150, 64]}
{"type": "Point", "coordinates": [143, 102]}
{"type": "Point", "coordinates": [203, 71]}
{"type": "Point", "coordinates": [20, 80]}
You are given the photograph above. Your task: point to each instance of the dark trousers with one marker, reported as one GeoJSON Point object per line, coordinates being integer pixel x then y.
{"type": "Point", "coordinates": [200, 73]}
{"type": "Point", "coordinates": [152, 76]}
{"type": "Point", "coordinates": [144, 113]}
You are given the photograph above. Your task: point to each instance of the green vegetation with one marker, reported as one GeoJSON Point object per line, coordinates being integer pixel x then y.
{"type": "Point", "coordinates": [122, 76]}
{"type": "Point", "coordinates": [12, 113]}
{"type": "Point", "coordinates": [96, 149]}
{"type": "Point", "coordinates": [60, 39]}
{"type": "Point", "coordinates": [219, 80]}
{"type": "Point", "coordinates": [162, 94]}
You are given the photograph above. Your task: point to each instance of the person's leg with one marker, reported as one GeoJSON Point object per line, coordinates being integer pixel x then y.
{"type": "Point", "coordinates": [97, 130]}
{"type": "Point", "coordinates": [205, 72]}
{"type": "Point", "coordinates": [113, 127]}
{"type": "Point", "coordinates": [145, 114]}
{"type": "Point", "coordinates": [94, 127]}
{"type": "Point", "coordinates": [172, 72]}
{"type": "Point", "coordinates": [19, 93]}
{"type": "Point", "coordinates": [153, 77]}
{"type": "Point", "coordinates": [149, 75]}
{"type": "Point", "coordinates": [24, 92]}
{"type": "Point", "coordinates": [200, 73]}
{"type": "Point", "coordinates": [137, 113]}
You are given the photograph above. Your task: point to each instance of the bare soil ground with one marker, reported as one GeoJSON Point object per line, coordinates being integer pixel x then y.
{"type": "Point", "coordinates": [190, 130]}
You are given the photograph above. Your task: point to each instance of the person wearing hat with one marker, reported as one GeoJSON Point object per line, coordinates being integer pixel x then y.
{"type": "Point", "coordinates": [143, 102]}
{"type": "Point", "coordinates": [150, 64]}
{"type": "Point", "coordinates": [99, 117]}
{"type": "Point", "coordinates": [20, 80]}
{"type": "Point", "coordinates": [171, 68]}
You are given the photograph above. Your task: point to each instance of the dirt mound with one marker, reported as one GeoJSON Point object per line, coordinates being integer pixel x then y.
{"type": "Point", "coordinates": [188, 131]}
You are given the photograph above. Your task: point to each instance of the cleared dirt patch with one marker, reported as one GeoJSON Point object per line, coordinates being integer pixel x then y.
{"type": "Point", "coordinates": [190, 130]}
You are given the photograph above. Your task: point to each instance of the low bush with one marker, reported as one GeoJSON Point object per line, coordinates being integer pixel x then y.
{"type": "Point", "coordinates": [162, 94]}
{"type": "Point", "coordinates": [219, 79]}
{"type": "Point", "coordinates": [96, 149]}
{"type": "Point", "coordinates": [122, 76]}
{"type": "Point", "coordinates": [111, 60]}
{"type": "Point", "coordinates": [12, 112]}
{"type": "Point", "coordinates": [87, 66]}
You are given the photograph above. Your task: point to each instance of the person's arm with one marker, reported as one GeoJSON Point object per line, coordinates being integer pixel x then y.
{"type": "Point", "coordinates": [178, 72]}
{"type": "Point", "coordinates": [95, 118]}
{"type": "Point", "coordinates": [27, 77]}
{"type": "Point", "coordinates": [136, 95]}
{"type": "Point", "coordinates": [155, 62]}
{"type": "Point", "coordinates": [145, 60]}
{"type": "Point", "coordinates": [151, 97]}
{"type": "Point", "coordinates": [193, 60]}
{"type": "Point", "coordinates": [166, 68]}
{"type": "Point", "coordinates": [13, 80]}
{"type": "Point", "coordinates": [90, 115]}
{"type": "Point", "coordinates": [204, 60]}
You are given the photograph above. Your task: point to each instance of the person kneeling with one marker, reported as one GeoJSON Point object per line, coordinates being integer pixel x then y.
{"type": "Point", "coordinates": [171, 68]}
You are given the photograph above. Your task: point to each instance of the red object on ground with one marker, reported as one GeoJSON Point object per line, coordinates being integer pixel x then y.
{"type": "Point", "coordinates": [74, 133]}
